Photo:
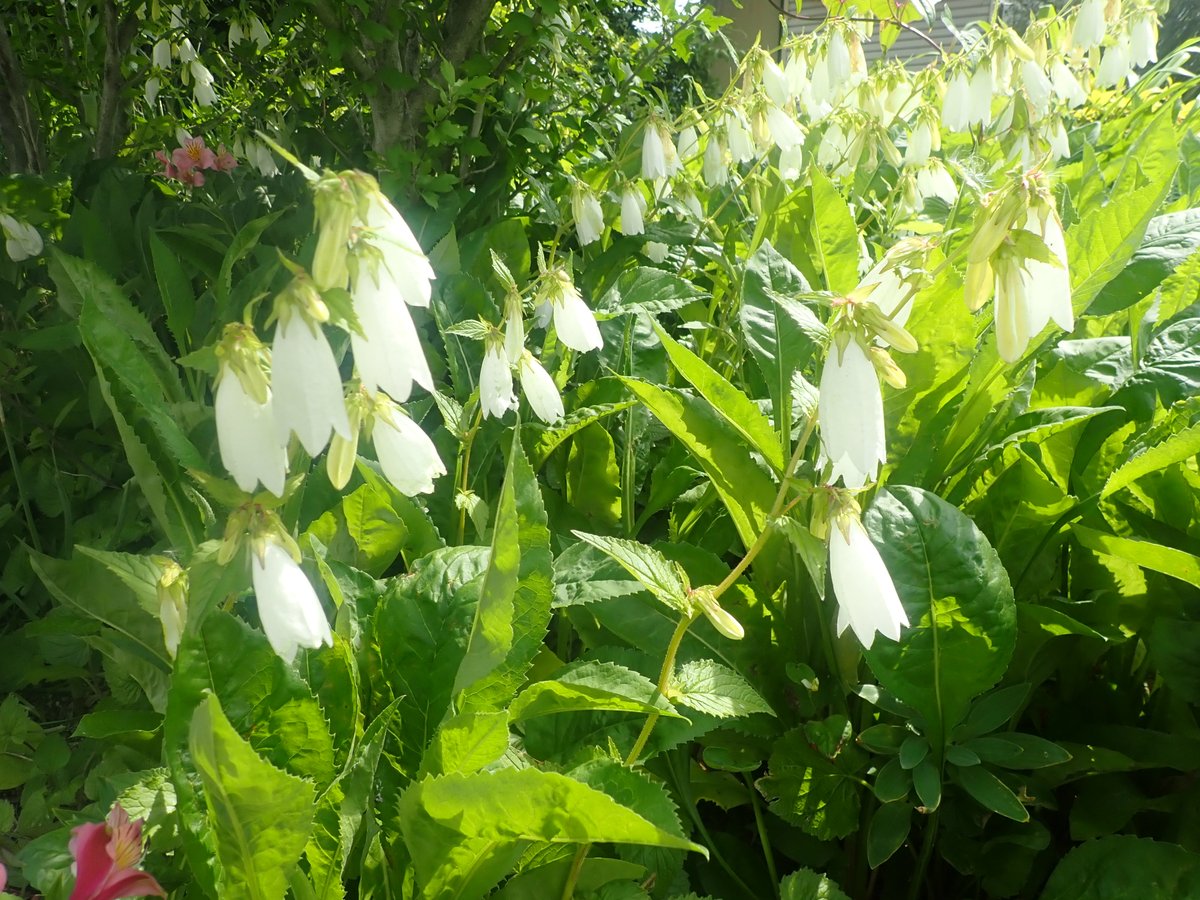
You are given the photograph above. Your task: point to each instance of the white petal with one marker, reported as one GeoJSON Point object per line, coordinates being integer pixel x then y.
{"type": "Point", "coordinates": [291, 614]}
{"type": "Point", "coordinates": [514, 335]}
{"type": "Point", "coordinates": [540, 390]}
{"type": "Point", "coordinates": [308, 389]}
{"type": "Point", "coordinates": [407, 455]}
{"type": "Point", "coordinates": [402, 254]}
{"type": "Point", "coordinates": [784, 131]}
{"type": "Point", "coordinates": [246, 437]}
{"type": "Point", "coordinates": [633, 205]}
{"type": "Point", "coordinates": [654, 159]}
{"type": "Point", "coordinates": [575, 324]}
{"type": "Point", "coordinates": [863, 586]}
{"type": "Point", "coordinates": [850, 413]}
{"type": "Point", "coordinates": [390, 355]}
{"type": "Point", "coordinates": [495, 383]}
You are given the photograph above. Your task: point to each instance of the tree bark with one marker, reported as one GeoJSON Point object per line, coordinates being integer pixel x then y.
{"type": "Point", "coordinates": [20, 130]}
{"type": "Point", "coordinates": [110, 120]}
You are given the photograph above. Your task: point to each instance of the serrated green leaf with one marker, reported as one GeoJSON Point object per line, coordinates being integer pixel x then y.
{"type": "Point", "coordinates": [260, 816]}
{"type": "Point", "coordinates": [805, 884]}
{"type": "Point", "coordinates": [652, 570]}
{"type": "Point", "coordinates": [466, 743]}
{"type": "Point", "coordinates": [544, 881]}
{"type": "Point", "coordinates": [1146, 554]}
{"type": "Point", "coordinates": [1176, 447]}
{"type": "Point", "coordinates": [1113, 868]}
{"type": "Point", "coordinates": [808, 789]}
{"type": "Point", "coordinates": [835, 234]}
{"type": "Point", "coordinates": [712, 688]}
{"type": "Point", "coordinates": [594, 686]}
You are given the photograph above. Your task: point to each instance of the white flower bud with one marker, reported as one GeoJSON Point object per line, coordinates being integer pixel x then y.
{"type": "Point", "coordinates": [540, 389]}
{"type": "Point", "coordinates": [956, 106]}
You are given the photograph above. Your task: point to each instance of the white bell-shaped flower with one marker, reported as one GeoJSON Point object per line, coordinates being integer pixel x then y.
{"type": "Point", "coordinates": [837, 58]}
{"type": "Point", "coordinates": [633, 209]}
{"type": "Point", "coordinates": [1049, 285]}
{"type": "Point", "coordinates": [202, 80]}
{"type": "Point", "coordinates": [1060, 144]}
{"type": "Point", "coordinates": [850, 414]}
{"type": "Point", "coordinates": [495, 381]}
{"type": "Point", "coordinates": [714, 170]}
{"type": "Point", "coordinates": [402, 254]}
{"type": "Point", "coordinates": [656, 251]}
{"type": "Point", "coordinates": [388, 354]}
{"type": "Point", "coordinates": [288, 606]}
{"type": "Point", "coordinates": [573, 320]}
{"type": "Point", "coordinates": [1037, 87]}
{"type": "Point", "coordinates": [407, 456]}
{"type": "Point", "coordinates": [934, 180]}
{"type": "Point", "coordinates": [956, 105]}
{"type": "Point", "coordinates": [21, 240]}
{"type": "Point", "coordinates": [1066, 86]}
{"type": "Point", "coordinates": [587, 213]}
{"type": "Point", "coordinates": [737, 131]}
{"type": "Point", "coordinates": [980, 95]}
{"type": "Point", "coordinates": [1089, 25]}
{"type": "Point", "coordinates": [514, 329]}
{"type": "Point", "coordinates": [687, 144]}
{"type": "Point", "coordinates": [1143, 39]}
{"type": "Point", "coordinates": [246, 437]}
{"type": "Point", "coordinates": [308, 388]}
{"type": "Point", "coordinates": [185, 51]}
{"type": "Point", "coordinates": [920, 142]}
{"type": "Point", "coordinates": [785, 132]}
{"type": "Point", "coordinates": [1116, 64]}
{"type": "Point", "coordinates": [796, 72]}
{"type": "Point", "coordinates": [540, 390]}
{"type": "Point", "coordinates": [866, 595]}
{"type": "Point", "coordinates": [160, 56]}
{"type": "Point", "coordinates": [791, 162]}
{"type": "Point", "coordinates": [654, 155]}
{"type": "Point", "coordinates": [774, 81]}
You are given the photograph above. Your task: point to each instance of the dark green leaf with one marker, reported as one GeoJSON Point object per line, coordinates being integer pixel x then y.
{"type": "Point", "coordinates": [1123, 866]}
{"type": "Point", "coordinates": [991, 792]}
{"type": "Point", "coordinates": [888, 831]}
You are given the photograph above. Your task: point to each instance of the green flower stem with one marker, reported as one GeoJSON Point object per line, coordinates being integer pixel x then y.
{"type": "Point", "coordinates": [463, 475]}
{"type": "Point", "coordinates": [664, 684]}
{"type": "Point", "coordinates": [576, 868]}
{"type": "Point", "coordinates": [763, 838]}
{"type": "Point", "coordinates": [914, 887]}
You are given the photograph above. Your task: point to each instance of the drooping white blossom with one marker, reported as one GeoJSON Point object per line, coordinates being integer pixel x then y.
{"type": "Point", "coordinates": [980, 94]}
{"type": "Point", "coordinates": [573, 320]}
{"type": "Point", "coordinates": [785, 131]}
{"type": "Point", "coordinates": [246, 436]}
{"type": "Point", "coordinates": [1089, 25]}
{"type": "Point", "coordinates": [1143, 39]}
{"type": "Point", "coordinates": [1037, 87]}
{"type": "Point", "coordinates": [654, 156]}
{"type": "Point", "coordinates": [687, 144]}
{"type": "Point", "coordinates": [850, 415]}
{"type": "Point", "coordinates": [1116, 64]}
{"type": "Point", "coordinates": [737, 132]}
{"type": "Point", "coordinates": [307, 386]}
{"type": "Point", "coordinates": [633, 208]}
{"type": "Point", "coordinates": [1066, 86]}
{"type": "Point", "coordinates": [495, 382]}
{"type": "Point", "coordinates": [774, 82]}
{"type": "Point", "coordinates": [715, 171]}
{"type": "Point", "coordinates": [407, 456]}
{"type": "Point", "coordinates": [21, 240]}
{"type": "Point", "coordinates": [920, 142]}
{"type": "Point", "coordinates": [288, 606]}
{"type": "Point", "coordinates": [388, 353]}
{"type": "Point", "coordinates": [956, 106]}
{"type": "Point", "coordinates": [202, 80]}
{"type": "Point", "coordinates": [867, 600]}
{"type": "Point", "coordinates": [539, 389]}
{"type": "Point", "coordinates": [402, 254]}
{"type": "Point", "coordinates": [587, 213]}
{"type": "Point", "coordinates": [514, 329]}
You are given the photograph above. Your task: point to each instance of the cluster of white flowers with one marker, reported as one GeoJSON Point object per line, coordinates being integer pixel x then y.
{"type": "Point", "coordinates": [192, 70]}
{"type": "Point", "coordinates": [366, 251]}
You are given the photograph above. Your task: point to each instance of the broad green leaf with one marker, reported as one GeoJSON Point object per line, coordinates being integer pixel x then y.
{"type": "Point", "coordinates": [419, 637]}
{"type": "Point", "coordinates": [991, 792]}
{"type": "Point", "coordinates": [959, 604]}
{"type": "Point", "coordinates": [1124, 866]}
{"type": "Point", "coordinates": [1013, 750]}
{"type": "Point", "coordinates": [809, 789]}
{"type": "Point", "coordinates": [175, 289]}
{"type": "Point", "coordinates": [1168, 371]}
{"type": "Point", "coordinates": [260, 816]}
{"type": "Point", "coordinates": [1146, 554]}
{"type": "Point", "coordinates": [1173, 644]}
{"type": "Point", "coordinates": [927, 781]}
{"type": "Point", "coordinates": [1103, 241]}
{"type": "Point", "coordinates": [745, 489]}
{"type": "Point", "coordinates": [593, 479]}
{"type": "Point", "coordinates": [782, 333]}
{"type": "Point", "coordinates": [734, 406]}
{"type": "Point", "coordinates": [340, 810]}
{"type": "Point", "coordinates": [545, 881]}
{"type": "Point", "coordinates": [805, 884]}
{"type": "Point", "coordinates": [110, 723]}
{"type": "Point", "coordinates": [532, 598]}
{"type": "Point", "coordinates": [1168, 241]}
{"type": "Point", "coordinates": [643, 289]}
{"type": "Point", "coordinates": [715, 689]}
{"type": "Point", "coordinates": [455, 836]}
{"type": "Point", "coordinates": [991, 712]}
{"type": "Point", "coordinates": [243, 242]}
{"type": "Point", "coordinates": [466, 743]}
{"type": "Point", "coordinates": [492, 630]}
{"type": "Point", "coordinates": [1175, 447]}
{"type": "Point", "coordinates": [835, 233]}
{"type": "Point", "coordinates": [888, 832]}
{"type": "Point", "coordinates": [592, 686]}
{"type": "Point", "coordinates": [544, 440]}
{"type": "Point", "coordinates": [652, 570]}
{"type": "Point", "coordinates": [421, 535]}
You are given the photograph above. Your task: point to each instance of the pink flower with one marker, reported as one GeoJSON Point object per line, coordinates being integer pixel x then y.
{"type": "Point", "coordinates": [191, 177]}
{"type": "Point", "coordinates": [106, 859]}
{"type": "Point", "coordinates": [192, 154]}
{"type": "Point", "coordinates": [225, 160]}
{"type": "Point", "coordinates": [170, 170]}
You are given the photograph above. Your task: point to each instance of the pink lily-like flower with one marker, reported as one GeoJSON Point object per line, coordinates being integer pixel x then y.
{"type": "Point", "coordinates": [192, 154]}
{"type": "Point", "coordinates": [225, 162]}
{"type": "Point", "coordinates": [106, 860]}
{"type": "Point", "coordinates": [170, 170]}
{"type": "Point", "coordinates": [191, 177]}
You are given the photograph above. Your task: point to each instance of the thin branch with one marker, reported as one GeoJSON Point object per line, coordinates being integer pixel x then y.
{"type": "Point", "coordinates": [902, 25]}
